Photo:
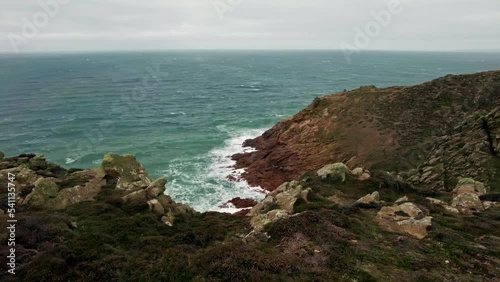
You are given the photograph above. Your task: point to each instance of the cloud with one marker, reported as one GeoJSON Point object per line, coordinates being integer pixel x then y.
{"type": "Point", "coordinates": [283, 24]}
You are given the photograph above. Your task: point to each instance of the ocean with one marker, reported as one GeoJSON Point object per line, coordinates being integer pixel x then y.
{"type": "Point", "coordinates": [184, 113]}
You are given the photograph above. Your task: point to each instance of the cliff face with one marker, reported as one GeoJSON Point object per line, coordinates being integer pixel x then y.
{"type": "Point", "coordinates": [430, 134]}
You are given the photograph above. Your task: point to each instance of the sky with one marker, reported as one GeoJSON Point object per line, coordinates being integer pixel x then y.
{"type": "Point", "coordinates": [94, 25]}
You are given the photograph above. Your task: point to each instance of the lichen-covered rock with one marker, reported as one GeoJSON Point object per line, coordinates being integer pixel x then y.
{"type": "Point", "coordinates": [37, 163]}
{"type": "Point", "coordinates": [406, 219]}
{"type": "Point", "coordinates": [284, 197]}
{"type": "Point", "coordinates": [45, 189]}
{"type": "Point", "coordinates": [370, 199]}
{"type": "Point", "coordinates": [131, 174]}
{"type": "Point", "coordinates": [337, 171]}
{"type": "Point", "coordinates": [77, 194]}
{"type": "Point", "coordinates": [467, 203]}
{"type": "Point", "coordinates": [24, 181]}
{"type": "Point", "coordinates": [156, 188]}
{"type": "Point", "coordinates": [277, 204]}
{"type": "Point", "coordinates": [469, 185]}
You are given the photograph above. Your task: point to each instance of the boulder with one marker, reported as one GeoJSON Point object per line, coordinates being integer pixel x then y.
{"type": "Point", "coordinates": [140, 195]}
{"type": "Point", "coordinates": [407, 219]}
{"type": "Point", "coordinates": [172, 210]}
{"type": "Point", "coordinates": [411, 210]}
{"type": "Point", "coordinates": [364, 176]}
{"type": "Point", "coordinates": [278, 204]}
{"type": "Point", "coordinates": [469, 185]}
{"type": "Point", "coordinates": [168, 219]}
{"type": "Point", "coordinates": [44, 190]}
{"type": "Point", "coordinates": [156, 207]}
{"type": "Point", "coordinates": [357, 171]}
{"type": "Point", "coordinates": [443, 204]}
{"type": "Point", "coordinates": [37, 163]}
{"type": "Point", "coordinates": [131, 174]}
{"type": "Point", "coordinates": [467, 203]}
{"type": "Point", "coordinates": [25, 179]}
{"type": "Point", "coordinates": [337, 171]}
{"type": "Point", "coordinates": [370, 199]}
{"type": "Point", "coordinates": [157, 187]}
{"type": "Point", "coordinates": [1, 155]}
{"type": "Point", "coordinates": [283, 197]}
{"type": "Point", "coordinates": [401, 200]}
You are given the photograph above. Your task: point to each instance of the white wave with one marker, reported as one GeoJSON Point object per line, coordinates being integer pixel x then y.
{"type": "Point", "coordinates": [70, 160]}
{"type": "Point", "coordinates": [202, 182]}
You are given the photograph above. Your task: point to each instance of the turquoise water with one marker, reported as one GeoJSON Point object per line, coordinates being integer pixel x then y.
{"type": "Point", "coordinates": [184, 113]}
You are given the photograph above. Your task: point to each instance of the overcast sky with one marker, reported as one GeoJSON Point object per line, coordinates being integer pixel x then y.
{"type": "Point", "coordinates": [81, 25]}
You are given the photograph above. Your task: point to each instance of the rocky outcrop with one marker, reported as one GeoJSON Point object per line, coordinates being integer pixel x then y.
{"type": "Point", "coordinates": [44, 190]}
{"type": "Point", "coordinates": [160, 204]}
{"type": "Point", "coordinates": [469, 185]}
{"type": "Point", "coordinates": [431, 144]}
{"type": "Point", "coordinates": [466, 197]}
{"type": "Point", "coordinates": [278, 204]}
{"type": "Point", "coordinates": [42, 184]}
{"type": "Point", "coordinates": [129, 172]}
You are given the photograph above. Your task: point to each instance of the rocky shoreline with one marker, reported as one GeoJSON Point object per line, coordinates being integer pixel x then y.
{"type": "Point", "coordinates": [429, 134]}
{"type": "Point", "coordinates": [406, 190]}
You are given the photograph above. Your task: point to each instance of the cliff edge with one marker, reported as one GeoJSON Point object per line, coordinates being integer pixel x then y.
{"type": "Point", "coordinates": [430, 134]}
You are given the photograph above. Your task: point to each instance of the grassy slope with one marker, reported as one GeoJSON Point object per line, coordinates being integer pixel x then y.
{"type": "Point", "coordinates": [324, 242]}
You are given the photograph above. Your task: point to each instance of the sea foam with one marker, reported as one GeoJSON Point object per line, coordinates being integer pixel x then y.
{"type": "Point", "coordinates": [202, 182]}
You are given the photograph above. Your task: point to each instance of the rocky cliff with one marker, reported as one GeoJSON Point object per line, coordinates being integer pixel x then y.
{"type": "Point", "coordinates": [430, 134]}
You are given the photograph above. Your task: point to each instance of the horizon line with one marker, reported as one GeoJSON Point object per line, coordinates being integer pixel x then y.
{"type": "Point", "coordinates": [241, 49]}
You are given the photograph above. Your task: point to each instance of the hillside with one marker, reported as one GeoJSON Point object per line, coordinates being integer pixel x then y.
{"type": "Point", "coordinates": [430, 134]}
